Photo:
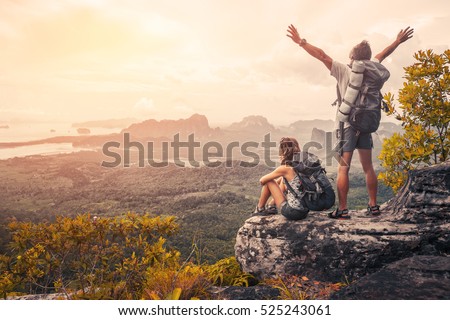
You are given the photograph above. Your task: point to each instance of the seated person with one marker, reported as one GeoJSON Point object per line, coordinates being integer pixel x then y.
{"type": "Point", "coordinates": [283, 200]}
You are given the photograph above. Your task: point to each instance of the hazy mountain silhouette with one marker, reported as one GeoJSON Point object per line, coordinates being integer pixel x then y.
{"type": "Point", "coordinates": [304, 128]}
{"type": "Point", "coordinates": [250, 128]}
{"type": "Point", "coordinates": [197, 124]}
{"type": "Point", "coordinates": [253, 124]}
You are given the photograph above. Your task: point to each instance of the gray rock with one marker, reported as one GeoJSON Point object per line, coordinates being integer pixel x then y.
{"type": "Point", "coordinates": [418, 277]}
{"type": "Point", "coordinates": [425, 198]}
{"type": "Point", "coordinates": [321, 248]}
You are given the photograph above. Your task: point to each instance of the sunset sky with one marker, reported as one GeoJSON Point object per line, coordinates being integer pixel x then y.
{"type": "Point", "coordinates": [79, 60]}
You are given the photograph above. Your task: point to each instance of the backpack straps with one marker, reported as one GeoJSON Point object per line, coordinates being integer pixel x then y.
{"type": "Point", "coordinates": [289, 187]}
{"type": "Point", "coordinates": [338, 100]}
{"type": "Point", "coordinates": [341, 138]}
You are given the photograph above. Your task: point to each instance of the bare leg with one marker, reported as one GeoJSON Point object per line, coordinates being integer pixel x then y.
{"type": "Point", "coordinates": [365, 156]}
{"type": "Point", "coordinates": [342, 179]}
{"type": "Point", "coordinates": [276, 192]}
{"type": "Point", "coordinates": [271, 188]}
{"type": "Point", "coordinates": [265, 195]}
{"type": "Point", "coordinates": [282, 188]}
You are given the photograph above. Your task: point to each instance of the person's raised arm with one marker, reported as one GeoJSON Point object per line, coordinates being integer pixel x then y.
{"type": "Point", "coordinates": [312, 50]}
{"type": "Point", "coordinates": [402, 36]}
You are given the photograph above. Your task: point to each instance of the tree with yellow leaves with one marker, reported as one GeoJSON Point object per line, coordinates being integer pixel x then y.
{"type": "Point", "coordinates": [425, 117]}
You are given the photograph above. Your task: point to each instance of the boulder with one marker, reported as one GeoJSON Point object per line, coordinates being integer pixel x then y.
{"type": "Point", "coordinates": [418, 278]}
{"type": "Point", "coordinates": [425, 197]}
{"type": "Point", "coordinates": [321, 248]}
{"type": "Point", "coordinates": [415, 222]}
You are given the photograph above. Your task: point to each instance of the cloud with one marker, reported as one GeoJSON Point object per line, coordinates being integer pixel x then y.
{"type": "Point", "coordinates": [144, 108]}
{"type": "Point", "coordinates": [183, 110]}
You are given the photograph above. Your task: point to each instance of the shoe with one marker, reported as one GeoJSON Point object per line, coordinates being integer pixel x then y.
{"type": "Point", "coordinates": [271, 210]}
{"type": "Point", "coordinates": [339, 214]}
{"type": "Point", "coordinates": [263, 211]}
{"type": "Point", "coordinates": [373, 210]}
{"type": "Point", "coordinates": [258, 211]}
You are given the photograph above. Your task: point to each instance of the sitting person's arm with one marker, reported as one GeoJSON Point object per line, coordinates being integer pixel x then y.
{"type": "Point", "coordinates": [277, 173]}
{"type": "Point", "coordinates": [402, 36]}
{"type": "Point", "coordinates": [312, 50]}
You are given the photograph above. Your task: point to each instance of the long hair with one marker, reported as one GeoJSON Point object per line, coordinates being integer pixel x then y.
{"type": "Point", "coordinates": [288, 147]}
{"type": "Point", "coordinates": [361, 51]}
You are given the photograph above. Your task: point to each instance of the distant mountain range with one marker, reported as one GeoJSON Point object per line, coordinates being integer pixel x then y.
{"type": "Point", "coordinates": [250, 128]}
{"type": "Point", "coordinates": [252, 124]}
{"type": "Point", "coordinates": [197, 124]}
{"type": "Point", "coordinates": [316, 136]}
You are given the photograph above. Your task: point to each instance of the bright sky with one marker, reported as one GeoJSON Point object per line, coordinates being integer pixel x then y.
{"type": "Point", "coordinates": [77, 60]}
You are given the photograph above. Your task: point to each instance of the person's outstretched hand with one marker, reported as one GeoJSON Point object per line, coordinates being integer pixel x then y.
{"type": "Point", "coordinates": [404, 35]}
{"type": "Point", "coordinates": [293, 34]}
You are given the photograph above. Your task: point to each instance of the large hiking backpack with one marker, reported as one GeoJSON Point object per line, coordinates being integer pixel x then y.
{"type": "Point", "coordinates": [361, 105]}
{"type": "Point", "coordinates": [316, 192]}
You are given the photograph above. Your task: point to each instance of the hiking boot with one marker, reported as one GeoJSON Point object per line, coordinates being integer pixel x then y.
{"type": "Point", "coordinates": [373, 210]}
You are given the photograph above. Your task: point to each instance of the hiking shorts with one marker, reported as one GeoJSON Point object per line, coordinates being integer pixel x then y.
{"type": "Point", "coordinates": [291, 213]}
{"type": "Point", "coordinates": [353, 140]}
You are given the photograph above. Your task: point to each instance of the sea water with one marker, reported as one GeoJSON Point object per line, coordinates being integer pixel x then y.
{"type": "Point", "coordinates": [23, 132]}
{"type": "Point", "coordinates": [38, 149]}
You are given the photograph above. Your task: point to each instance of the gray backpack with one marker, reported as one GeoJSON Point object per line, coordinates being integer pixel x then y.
{"type": "Point", "coordinates": [316, 192]}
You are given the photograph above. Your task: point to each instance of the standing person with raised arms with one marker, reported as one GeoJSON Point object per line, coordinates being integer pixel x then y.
{"type": "Point", "coordinates": [350, 137]}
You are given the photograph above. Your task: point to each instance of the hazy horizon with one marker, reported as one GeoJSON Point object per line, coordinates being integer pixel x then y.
{"type": "Point", "coordinates": [84, 60]}
{"type": "Point", "coordinates": [71, 127]}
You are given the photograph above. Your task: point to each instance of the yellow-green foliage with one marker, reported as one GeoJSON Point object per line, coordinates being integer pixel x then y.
{"type": "Point", "coordinates": [425, 117]}
{"type": "Point", "coordinates": [184, 282]}
{"type": "Point", "coordinates": [227, 272]}
{"type": "Point", "coordinates": [108, 258]}
{"type": "Point", "coordinates": [7, 278]}
{"type": "Point", "coordinates": [191, 281]}
{"type": "Point", "coordinates": [95, 257]}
